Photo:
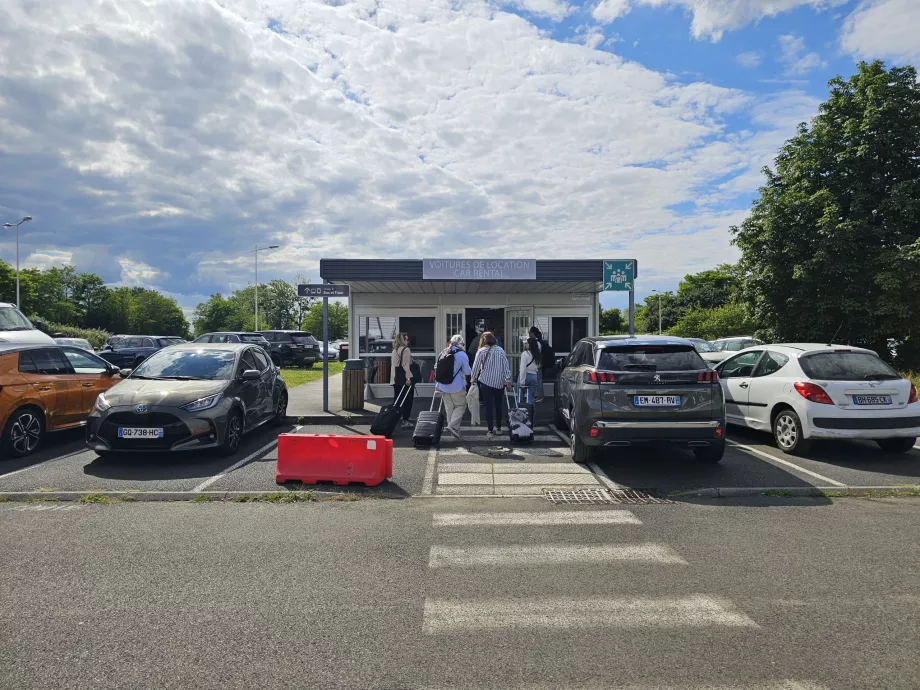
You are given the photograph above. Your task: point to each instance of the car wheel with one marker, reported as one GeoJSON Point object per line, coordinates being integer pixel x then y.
{"type": "Point", "coordinates": [896, 445]}
{"type": "Point", "coordinates": [308, 365]}
{"type": "Point", "coordinates": [281, 408]}
{"type": "Point", "coordinates": [234, 434]}
{"type": "Point", "coordinates": [710, 455]}
{"type": "Point", "coordinates": [581, 452]}
{"type": "Point", "coordinates": [788, 433]}
{"type": "Point", "coordinates": [23, 433]}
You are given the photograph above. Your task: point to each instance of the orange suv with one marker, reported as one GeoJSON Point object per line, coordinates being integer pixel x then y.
{"type": "Point", "coordinates": [47, 388]}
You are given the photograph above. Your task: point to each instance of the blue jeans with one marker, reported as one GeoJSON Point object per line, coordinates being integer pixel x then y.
{"type": "Point", "coordinates": [533, 386]}
{"type": "Point", "coordinates": [539, 376]}
{"type": "Point", "coordinates": [492, 397]}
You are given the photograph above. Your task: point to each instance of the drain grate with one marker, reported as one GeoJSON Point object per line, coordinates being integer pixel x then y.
{"type": "Point", "coordinates": [595, 496]}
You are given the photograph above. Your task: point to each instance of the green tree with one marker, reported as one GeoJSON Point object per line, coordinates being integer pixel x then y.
{"type": "Point", "coordinates": [217, 314]}
{"type": "Point", "coordinates": [827, 248]}
{"type": "Point", "coordinates": [709, 289]}
{"type": "Point", "coordinates": [156, 314]}
{"type": "Point", "coordinates": [670, 313]}
{"type": "Point", "coordinates": [718, 322]}
{"type": "Point", "coordinates": [612, 322]}
{"type": "Point", "coordinates": [338, 320]}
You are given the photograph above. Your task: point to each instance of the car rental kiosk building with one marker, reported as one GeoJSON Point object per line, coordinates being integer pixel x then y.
{"type": "Point", "coordinates": [432, 299]}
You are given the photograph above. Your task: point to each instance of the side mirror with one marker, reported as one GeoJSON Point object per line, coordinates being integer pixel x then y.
{"type": "Point", "coordinates": [125, 373]}
{"type": "Point", "coordinates": [251, 375]}
{"type": "Point", "coordinates": [112, 370]}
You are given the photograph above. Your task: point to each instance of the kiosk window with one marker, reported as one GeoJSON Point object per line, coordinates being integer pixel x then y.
{"type": "Point", "coordinates": [567, 331]}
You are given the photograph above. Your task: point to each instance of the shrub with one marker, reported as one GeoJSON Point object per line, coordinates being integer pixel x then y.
{"type": "Point", "coordinates": [95, 336]}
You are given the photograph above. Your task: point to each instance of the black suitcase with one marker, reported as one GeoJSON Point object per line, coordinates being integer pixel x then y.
{"type": "Point", "coordinates": [429, 426]}
{"type": "Point", "coordinates": [385, 422]}
{"type": "Point", "coordinates": [520, 420]}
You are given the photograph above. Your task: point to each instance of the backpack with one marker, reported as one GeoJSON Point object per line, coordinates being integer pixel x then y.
{"type": "Point", "coordinates": [548, 354]}
{"type": "Point", "coordinates": [444, 371]}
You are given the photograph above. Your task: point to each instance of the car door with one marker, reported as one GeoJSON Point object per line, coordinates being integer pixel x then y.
{"type": "Point", "coordinates": [736, 374]}
{"type": "Point", "coordinates": [50, 374]}
{"type": "Point", "coordinates": [564, 382]}
{"type": "Point", "coordinates": [92, 373]}
{"type": "Point", "coordinates": [265, 365]}
{"type": "Point", "coordinates": [251, 392]}
{"type": "Point", "coordinates": [573, 372]}
{"type": "Point", "coordinates": [766, 388]}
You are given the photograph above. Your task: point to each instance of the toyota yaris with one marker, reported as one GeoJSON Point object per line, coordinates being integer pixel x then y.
{"type": "Point", "coordinates": [189, 397]}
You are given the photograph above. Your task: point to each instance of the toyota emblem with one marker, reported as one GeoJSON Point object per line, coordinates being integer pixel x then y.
{"type": "Point", "coordinates": [141, 409]}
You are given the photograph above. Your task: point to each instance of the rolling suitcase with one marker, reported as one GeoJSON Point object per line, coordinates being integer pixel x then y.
{"type": "Point", "coordinates": [429, 426]}
{"type": "Point", "coordinates": [385, 422]}
{"type": "Point", "coordinates": [520, 420]}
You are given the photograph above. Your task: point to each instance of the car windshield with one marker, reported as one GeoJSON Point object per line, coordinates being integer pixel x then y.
{"type": "Point", "coordinates": [704, 346]}
{"type": "Point", "coordinates": [11, 319]}
{"type": "Point", "coordinates": [847, 366]}
{"type": "Point", "coordinates": [729, 345]}
{"type": "Point", "coordinates": [651, 358]}
{"type": "Point", "coordinates": [187, 364]}
{"type": "Point", "coordinates": [251, 338]}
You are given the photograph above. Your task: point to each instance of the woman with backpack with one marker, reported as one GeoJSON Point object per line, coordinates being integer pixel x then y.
{"type": "Point", "coordinates": [405, 373]}
{"type": "Point", "coordinates": [451, 370]}
{"type": "Point", "coordinates": [531, 363]}
{"type": "Point", "coordinates": [492, 372]}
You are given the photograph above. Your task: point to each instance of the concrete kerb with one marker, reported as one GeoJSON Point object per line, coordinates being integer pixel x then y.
{"type": "Point", "coordinates": [811, 491]}
{"type": "Point", "coordinates": [184, 496]}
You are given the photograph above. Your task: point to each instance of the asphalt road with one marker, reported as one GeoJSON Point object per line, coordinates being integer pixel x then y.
{"type": "Point", "coordinates": [765, 593]}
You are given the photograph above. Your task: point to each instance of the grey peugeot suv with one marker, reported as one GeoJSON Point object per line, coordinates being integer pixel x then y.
{"type": "Point", "coordinates": [623, 390]}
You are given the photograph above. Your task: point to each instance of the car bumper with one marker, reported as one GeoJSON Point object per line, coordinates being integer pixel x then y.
{"type": "Point", "coordinates": [183, 431]}
{"type": "Point", "coordinates": [699, 433]}
{"type": "Point", "coordinates": [869, 428]}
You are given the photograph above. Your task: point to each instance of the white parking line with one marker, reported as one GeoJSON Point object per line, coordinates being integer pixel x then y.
{"type": "Point", "coordinates": [579, 517]}
{"type": "Point", "coordinates": [771, 458]}
{"type": "Point", "coordinates": [521, 555]}
{"type": "Point", "coordinates": [428, 484]}
{"type": "Point", "coordinates": [249, 458]}
{"type": "Point", "coordinates": [591, 612]}
{"type": "Point", "coordinates": [44, 462]}
{"type": "Point", "coordinates": [607, 481]}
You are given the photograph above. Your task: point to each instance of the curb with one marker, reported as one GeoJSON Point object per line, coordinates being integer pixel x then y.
{"type": "Point", "coordinates": [793, 491]}
{"type": "Point", "coordinates": [176, 496]}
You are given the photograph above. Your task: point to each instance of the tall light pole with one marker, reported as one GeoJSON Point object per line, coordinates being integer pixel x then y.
{"type": "Point", "coordinates": [659, 311]}
{"type": "Point", "coordinates": [256, 254]}
{"type": "Point", "coordinates": [16, 225]}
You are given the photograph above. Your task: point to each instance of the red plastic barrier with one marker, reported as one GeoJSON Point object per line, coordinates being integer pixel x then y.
{"type": "Point", "coordinates": [312, 458]}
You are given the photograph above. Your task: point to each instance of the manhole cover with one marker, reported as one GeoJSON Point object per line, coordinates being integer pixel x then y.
{"type": "Point", "coordinates": [592, 496]}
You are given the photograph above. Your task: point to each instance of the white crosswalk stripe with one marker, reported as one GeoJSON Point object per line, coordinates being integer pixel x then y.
{"type": "Point", "coordinates": [581, 517]}
{"type": "Point", "coordinates": [547, 554]}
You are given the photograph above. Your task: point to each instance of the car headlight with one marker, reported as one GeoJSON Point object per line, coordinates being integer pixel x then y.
{"type": "Point", "coordinates": [101, 403]}
{"type": "Point", "coordinates": [202, 403]}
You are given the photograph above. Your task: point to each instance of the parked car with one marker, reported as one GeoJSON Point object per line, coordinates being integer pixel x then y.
{"type": "Point", "coordinates": [801, 392]}
{"type": "Point", "coordinates": [234, 337]}
{"type": "Point", "coordinates": [332, 353]}
{"type": "Point", "coordinates": [189, 397]}
{"type": "Point", "coordinates": [16, 328]}
{"type": "Point", "coordinates": [82, 343]}
{"type": "Point", "coordinates": [46, 388]}
{"type": "Point", "coordinates": [726, 346]}
{"type": "Point", "coordinates": [293, 348]}
{"type": "Point", "coordinates": [620, 391]}
{"type": "Point", "coordinates": [128, 351]}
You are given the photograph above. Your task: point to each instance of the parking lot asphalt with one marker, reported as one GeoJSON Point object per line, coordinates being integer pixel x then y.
{"type": "Point", "coordinates": [466, 467]}
{"type": "Point", "coordinates": [765, 593]}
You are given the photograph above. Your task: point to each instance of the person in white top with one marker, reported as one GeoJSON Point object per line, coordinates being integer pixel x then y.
{"type": "Point", "coordinates": [530, 368]}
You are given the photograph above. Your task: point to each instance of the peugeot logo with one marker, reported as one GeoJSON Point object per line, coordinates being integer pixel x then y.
{"type": "Point", "coordinates": [657, 378]}
{"type": "Point", "coordinates": [141, 409]}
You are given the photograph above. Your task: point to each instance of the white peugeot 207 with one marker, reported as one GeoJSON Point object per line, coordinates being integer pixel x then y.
{"type": "Point", "coordinates": [801, 392]}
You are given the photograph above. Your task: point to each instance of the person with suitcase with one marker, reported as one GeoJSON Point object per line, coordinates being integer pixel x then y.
{"type": "Point", "coordinates": [520, 420]}
{"type": "Point", "coordinates": [429, 426]}
{"type": "Point", "coordinates": [547, 361]}
{"type": "Point", "coordinates": [451, 370]}
{"type": "Point", "coordinates": [387, 419]}
{"type": "Point", "coordinates": [530, 366]}
{"type": "Point", "coordinates": [405, 373]}
{"type": "Point", "coordinates": [492, 373]}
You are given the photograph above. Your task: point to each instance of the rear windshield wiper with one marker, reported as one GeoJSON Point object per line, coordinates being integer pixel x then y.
{"type": "Point", "coordinates": [880, 377]}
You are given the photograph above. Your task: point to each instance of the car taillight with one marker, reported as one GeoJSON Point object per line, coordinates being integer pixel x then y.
{"type": "Point", "coordinates": [707, 376]}
{"type": "Point", "coordinates": [814, 393]}
{"type": "Point", "coordinates": [911, 399]}
{"type": "Point", "coordinates": [599, 377]}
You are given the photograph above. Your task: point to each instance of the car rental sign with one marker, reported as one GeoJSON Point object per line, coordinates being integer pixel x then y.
{"type": "Point", "coordinates": [479, 269]}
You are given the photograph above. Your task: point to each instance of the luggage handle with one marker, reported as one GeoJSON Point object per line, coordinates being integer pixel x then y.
{"type": "Point", "coordinates": [508, 399]}
{"type": "Point", "coordinates": [433, 396]}
{"type": "Point", "coordinates": [404, 393]}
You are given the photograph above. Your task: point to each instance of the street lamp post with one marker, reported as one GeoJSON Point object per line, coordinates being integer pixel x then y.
{"type": "Point", "coordinates": [659, 311]}
{"type": "Point", "coordinates": [256, 254]}
{"type": "Point", "coordinates": [16, 225]}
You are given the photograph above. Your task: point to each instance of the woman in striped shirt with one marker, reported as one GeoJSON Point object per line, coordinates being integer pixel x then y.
{"type": "Point", "coordinates": [492, 372]}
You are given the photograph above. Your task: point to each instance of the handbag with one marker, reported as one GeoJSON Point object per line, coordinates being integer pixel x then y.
{"type": "Point", "coordinates": [472, 401]}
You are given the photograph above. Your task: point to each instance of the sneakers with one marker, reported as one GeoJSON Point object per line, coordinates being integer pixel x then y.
{"type": "Point", "coordinates": [452, 432]}
{"type": "Point", "coordinates": [490, 435]}
{"type": "Point", "coordinates": [406, 424]}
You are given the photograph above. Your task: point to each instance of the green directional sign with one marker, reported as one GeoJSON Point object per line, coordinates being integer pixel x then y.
{"type": "Point", "coordinates": [619, 275]}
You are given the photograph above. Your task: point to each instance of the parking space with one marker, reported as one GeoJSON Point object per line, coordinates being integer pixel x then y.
{"type": "Point", "coordinates": [472, 466]}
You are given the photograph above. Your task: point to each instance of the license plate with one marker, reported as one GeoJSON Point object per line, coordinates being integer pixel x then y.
{"type": "Point", "coordinates": [134, 432]}
{"type": "Point", "coordinates": [872, 399]}
{"type": "Point", "coordinates": [656, 400]}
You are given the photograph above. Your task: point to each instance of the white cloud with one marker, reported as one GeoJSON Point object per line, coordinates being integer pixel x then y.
{"type": "Point", "coordinates": [173, 134]}
{"type": "Point", "coordinates": [795, 56]}
{"type": "Point", "coordinates": [608, 10]}
{"type": "Point", "coordinates": [887, 29]}
{"type": "Point", "coordinates": [553, 9]}
{"type": "Point", "coordinates": [750, 59]}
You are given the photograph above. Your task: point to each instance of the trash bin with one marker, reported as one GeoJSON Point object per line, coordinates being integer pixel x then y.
{"type": "Point", "coordinates": [353, 385]}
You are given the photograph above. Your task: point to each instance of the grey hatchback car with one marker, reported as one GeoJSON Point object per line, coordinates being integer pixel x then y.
{"type": "Point", "coordinates": [621, 391]}
{"type": "Point", "coordinates": [189, 397]}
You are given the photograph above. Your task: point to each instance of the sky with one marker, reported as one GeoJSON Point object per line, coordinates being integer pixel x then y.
{"type": "Point", "coordinates": [155, 142]}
